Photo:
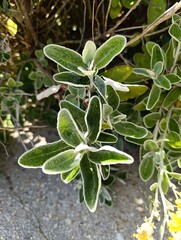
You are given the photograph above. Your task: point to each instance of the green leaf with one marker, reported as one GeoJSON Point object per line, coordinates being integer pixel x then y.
{"type": "Point", "coordinates": [174, 139]}
{"type": "Point", "coordinates": [145, 72]}
{"type": "Point", "coordinates": [77, 113]}
{"type": "Point", "coordinates": [107, 155]}
{"type": "Point", "coordinates": [151, 119]}
{"type": "Point", "coordinates": [88, 52]}
{"type": "Point", "coordinates": [171, 97]}
{"type": "Point", "coordinates": [65, 57]}
{"type": "Point", "coordinates": [36, 157]}
{"type": "Point", "coordinates": [77, 91]}
{"type": "Point", "coordinates": [91, 183]}
{"type": "Point", "coordinates": [173, 78]}
{"type": "Point", "coordinates": [158, 68]}
{"type": "Point", "coordinates": [150, 145]}
{"type": "Point", "coordinates": [107, 110]}
{"type": "Point", "coordinates": [68, 129]}
{"type": "Point", "coordinates": [174, 125]}
{"type": "Point", "coordinates": [105, 171]}
{"type": "Point", "coordinates": [39, 53]}
{"type": "Point", "coordinates": [149, 46]}
{"type": "Point", "coordinates": [175, 32]}
{"type": "Point", "coordinates": [155, 9]}
{"type": "Point", "coordinates": [134, 91]}
{"type": "Point", "coordinates": [67, 177]}
{"type": "Point", "coordinates": [157, 55]}
{"type": "Point", "coordinates": [99, 84]}
{"type": "Point", "coordinates": [11, 83]}
{"type": "Point", "coordinates": [93, 119]}
{"type": "Point", "coordinates": [107, 51]}
{"type": "Point", "coordinates": [63, 162]}
{"type": "Point", "coordinates": [105, 137]}
{"type": "Point", "coordinates": [112, 97]}
{"type": "Point", "coordinates": [134, 78]}
{"type": "Point", "coordinates": [130, 129]}
{"type": "Point", "coordinates": [162, 82]}
{"type": "Point", "coordinates": [146, 168]}
{"type": "Point", "coordinates": [71, 79]}
{"type": "Point", "coordinates": [179, 162]}
{"type": "Point", "coordinates": [175, 175]}
{"type": "Point", "coordinates": [153, 97]}
{"type": "Point", "coordinates": [170, 54]}
{"type": "Point", "coordinates": [118, 73]}
{"type": "Point", "coordinates": [165, 183]}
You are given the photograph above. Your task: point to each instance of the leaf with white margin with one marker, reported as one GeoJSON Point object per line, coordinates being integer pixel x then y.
{"type": "Point", "coordinates": [49, 91]}
{"type": "Point", "coordinates": [36, 157]}
{"type": "Point", "coordinates": [68, 129]}
{"type": "Point", "coordinates": [91, 182]}
{"type": "Point", "coordinates": [88, 52]}
{"type": "Point", "coordinates": [93, 119]}
{"type": "Point", "coordinates": [67, 58]}
{"type": "Point", "coordinates": [107, 155]}
{"type": "Point", "coordinates": [67, 177]}
{"type": "Point", "coordinates": [63, 162]}
{"type": "Point", "coordinates": [108, 50]}
{"type": "Point", "coordinates": [116, 85]}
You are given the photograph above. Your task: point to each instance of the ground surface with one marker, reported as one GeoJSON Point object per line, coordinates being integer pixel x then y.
{"type": "Point", "coordinates": [35, 206]}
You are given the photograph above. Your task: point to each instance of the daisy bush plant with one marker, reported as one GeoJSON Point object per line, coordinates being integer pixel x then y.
{"type": "Point", "coordinates": [140, 104]}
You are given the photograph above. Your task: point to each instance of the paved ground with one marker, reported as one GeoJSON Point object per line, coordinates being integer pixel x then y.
{"type": "Point", "coordinates": [35, 206]}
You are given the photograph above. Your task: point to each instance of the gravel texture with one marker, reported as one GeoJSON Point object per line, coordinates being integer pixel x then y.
{"type": "Point", "coordinates": [35, 206]}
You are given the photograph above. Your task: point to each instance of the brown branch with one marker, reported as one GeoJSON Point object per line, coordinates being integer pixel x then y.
{"type": "Point", "coordinates": [165, 16]}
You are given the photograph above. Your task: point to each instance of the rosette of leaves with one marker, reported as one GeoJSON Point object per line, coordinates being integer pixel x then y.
{"type": "Point", "coordinates": [89, 115]}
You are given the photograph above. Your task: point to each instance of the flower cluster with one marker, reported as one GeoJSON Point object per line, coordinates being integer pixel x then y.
{"type": "Point", "coordinates": [145, 232]}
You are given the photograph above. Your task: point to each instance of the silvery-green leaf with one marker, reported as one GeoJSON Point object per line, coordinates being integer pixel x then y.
{"type": "Point", "coordinates": [162, 82]}
{"type": "Point", "coordinates": [67, 58]}
{"type": "Point", "coordinates": [158, 68]}
{"type": "Point", "coordinates": [116, 85]}
{"type": "Point", "coordinates": [107, 155]}
{"type": "Point", "coordinates": [153, 97]}
{"type": "Point", "coordinates": [63, 162]}
{"type": "Point", "coordinates": [91, 182]}
{"type": "Point", "coordinates": [145, 72]}
{"type": "Point", "coordinates": [172, 97]}
{"type": "Point", "coordinates": [150, 145]}
{"type": "Point", "coordinates": [105, 171]}
{"type": "Point", "coordinates": [107, 51]}
{"type": "Point", "coordinates": [173, 78]}
{"type": "Point", "coordinates": [36, 157]}
{"type": "Point", "coordinates": [93, 119]}
{"type": "Point", "coordinates": [88, 52]}
{"type": "Point", "coordinates": [146, 168]}
{"type": "Point", "coordinates": [112, 97]}
{"type": "Point", "coordinates": [68, 129]}
{"type": "Point", "coordinates": [105, 137]}
{"type": "Point", "coordinates": [67, 177]}
{"type": "Point", "coordinates": [157, 55]}
{"type": "Point", "coordinates": [99, 84]}
{"type": "Point", "coordinates": [151, 119]}
{"type": "Point", "coordinates": [71, 79]}
{"type": "Point", "coordinates": [86, 72]}
{"type": "Point", "coordinates": [175, 32]}
{"type": "Point", "coordinates": [49, 91]}
{"type": "Point", "coordinates": [79, 92]}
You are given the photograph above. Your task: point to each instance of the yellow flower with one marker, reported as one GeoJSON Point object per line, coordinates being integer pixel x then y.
{"type": "Point", "coordinates": [174, 225]}
{"type": "Point", "coordinates": [144, 232]}
{"type": "Point", "coordinates": [178, 203]}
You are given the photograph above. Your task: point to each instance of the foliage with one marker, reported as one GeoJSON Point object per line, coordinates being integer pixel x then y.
{"type": "Point", "coordinates": [136, 97]}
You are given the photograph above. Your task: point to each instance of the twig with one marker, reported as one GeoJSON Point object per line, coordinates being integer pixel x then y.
{"type": "Point", "coordinates": [165, 16]}
{"type": "Point", "coordinates": [22, 128]}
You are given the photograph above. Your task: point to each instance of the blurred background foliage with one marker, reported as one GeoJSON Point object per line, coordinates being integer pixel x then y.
{"type": "Point", "coordinates": [26, 26]}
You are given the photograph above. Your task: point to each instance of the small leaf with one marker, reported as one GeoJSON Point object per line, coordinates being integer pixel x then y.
{"type": "Point", "coordinates": [157, 55]}
{"type": "Point", "coordinates": [107, 155]}
{"type": "Point", "coordinates": [171, 97]}
{"type": "Point", "coordinates": [105, 137]}
{"type": "Point", "coordinates": [170, 54]}
{"type": "Point", "coordinates": [155, 9]}
{"type": "Point", "coordinates": [179, 162]}
{"type": "Point", "coordinates": [173, 78]}
{"type": "Point", "coordinates": [11, 83]}
{"type": "Point", "coordinates": [91, 183]}
{"type": "Point", "coordinates": [134, 91]}
{"type": "Point", "coordinates": [153, 97]}
{"type": "Point", "coordinates": [88, 52]}
{"type": "Point", "coordinates": [130, 129]}
{"type": "Point", "coordinates": [105, 171]}
{"type": "Point", "coordinates": [165, 183]}
{"type": "Point", "coordinates": [77, 113]}
{"type": "Point", "coordinates": [174, 140]}
{"type": "Point", "coordinates": [158, 68]}
{"type": "Point", "coordinates": [146, 168]}
{"type": "Point", "coordinates": [93, 119]}
{"type": "Point", "coordinates": [145, 72]}
{"type": "Point", "coordinates": [63, 162]}
{"type": "Point", "coordinates": [175, 175]}
{"type": "Point", "coordinates": [112, 97]}
{"type": "Point", "coordinates": [100, 85]}
{"type": "Point", "coordinates": [150, 145]}
{"type": "Point", "coordinates": [151, 119]}
{"type": "Point", "coordinates": [107, 51]}
{"type": "Point", "coordinates": [71, 79]}
{"type": "Point", "coordinates": [36, 157]}
{"type": "Point", "coordinates": [67, 177]}
{"type": "Point", "coordinates": [68, 129]}
{"type": "Point", "coordinates": [162, 82]}
{"type": "Point", "coordinates": [65, 57]}
{"type": "Point", "coordinates": [118, 73]}
{"type": "Point", "coordinates": [174, 125]}
{"type": "Point", "coordinates": [175, 32]}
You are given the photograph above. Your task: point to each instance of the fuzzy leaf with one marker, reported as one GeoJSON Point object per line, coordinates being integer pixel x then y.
{"type": "Point", "coordinates": [151, 119]}
{"type": "Point", "coordinates": [173, 78]}
{"type": "Point", "coordinates": [93, 119]}
{"type": "Point", "coordinates": [158, 68]}
{"type": "Point", "coordinates": [112, 97]}
{"type": "Point", "coordinates": [105, 137]}
{"type": "Point", "coordinates": [146, 168]}
{"type": "Point", "coordinates": [130, 129]}
{"type": "Point", "coordinates": [157, 55]}
{"type": "Point", "coordinates": [77, 113]}
{"type": "Point", "coordinates": [63, 162]}
{"type": "Point", "coordinates": [67, 58]}
{"type": "Point", "coordinates": [155, 9]}
{"type": "Point", "coordinates": [67, 177]}
{"type": "Point", "coordinates": [145, 72]}
{"type": "Point", "coordinates": [174, 140]}
{"type": "Point", "coordinates": [91, 183]}
{"type": "Point", "coordinates": [162, 82]}
{"type": "Point", "coordinates": [100, 85]}
{"type": "Point", "coordinates": [171, 97]}
{"type": "Point", "coordinates": [154, 97]}
{"type": "Point", "coordinates": [71, 79]}
{"type": "Point", "coordinates": [107, 155]}
{"type": "Point", "coordinates": [68, 129]}
{"type": "Point", "coordinates": [107, 51]}
{"type": "Point", "coordinates": [150, 145]}
{"type": "Point", "coordinates": [134, 91]}
{"type": "Point", "coordinates": [175, 175]}
{"type": "Point", "coordinates": [118, 73]}
{"type": "Point", "coordinates": [105, 171]}
{"type": "Point", "coordinates": [165, 183]}
{"type": "Point", "coordinates": [36, 157]}
{"type": "Point", "coordinates": [175, 32]}
{"type": "Point", "coordinates": [88, 52]}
